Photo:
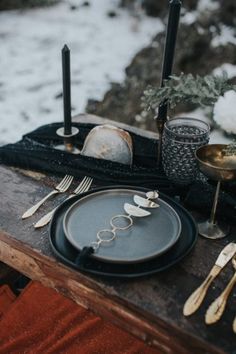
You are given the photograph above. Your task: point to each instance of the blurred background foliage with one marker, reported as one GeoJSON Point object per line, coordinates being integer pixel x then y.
{"type": "Point", "coordinates": [21, 4]}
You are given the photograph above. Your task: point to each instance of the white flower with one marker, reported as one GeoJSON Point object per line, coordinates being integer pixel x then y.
{"type": "Point", "coordinates": [224, 112]}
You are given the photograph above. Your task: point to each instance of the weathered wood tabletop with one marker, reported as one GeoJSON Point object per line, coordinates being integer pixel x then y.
{"type": "Point", "coordinates": [150, 307]}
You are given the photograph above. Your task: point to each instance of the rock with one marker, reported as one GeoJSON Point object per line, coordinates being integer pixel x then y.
{"type": "Point", "coordinates": [58, 96]}
{"type": "Point", "coordinates": [127, 3]}
{"type": "Point", "coordinates": [86, 3]}
{"type": "Point", "coordinates": [17, 4]}
{"type": "Point", "coordinates": [73, 7]}
{"type": "Point", "coordinates": [112, 13]}
{"type": "Point", "coordinates": [227, 12]}
{"type": "Point", "coordinates": [190, 5]}
{"type": "Point", "coordinates": [194, 54]}
{"type": "Point", "coordinates": [156, 8]}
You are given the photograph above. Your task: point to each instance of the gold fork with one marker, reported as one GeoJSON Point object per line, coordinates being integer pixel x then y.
{"type": "Point", "coordinates": [82, 187]}
{"type": "Point", "coordinates": [216, 309]}
{"type": "Point", "coordinates": [60, 188]}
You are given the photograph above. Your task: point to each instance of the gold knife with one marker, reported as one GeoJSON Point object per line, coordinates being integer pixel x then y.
{"type": "Point", "coordinates": [217, 307]}
{"type": "Point", "coordinates": [234, 325]}
{"type": "Point", "coordinates": [195, 300]}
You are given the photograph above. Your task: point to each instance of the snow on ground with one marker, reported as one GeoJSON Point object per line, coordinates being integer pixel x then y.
{"type": "Point", "coordinates": [30, 61]}
{"type": "Point", "coordinates": [207, 5]}
{"type": "Point", "coordinates": [227, 35]}
{"type": "Point", "coordinates": [189, 17]}
{"type": "Point", "coordinates": [101, 48]}
{"type": "Point", "coordinates": [228, 68]}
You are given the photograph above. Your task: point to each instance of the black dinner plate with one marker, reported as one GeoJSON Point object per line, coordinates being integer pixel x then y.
{"type": "Point", "coordinates": [68, 254]}
{"type": "Point", "coordinates": [147, 238]}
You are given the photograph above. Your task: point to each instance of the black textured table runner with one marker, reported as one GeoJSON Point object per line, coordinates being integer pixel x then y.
{"type": "Point", "coordinates": [36, 151]}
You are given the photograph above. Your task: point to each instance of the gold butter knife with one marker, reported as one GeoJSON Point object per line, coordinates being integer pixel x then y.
{"type": "Point", "coordinates": [216, 309]}
{"type": "Point", "coordinates": [234, 325]}
{"type": "Point", "coordinates": [195, 300]}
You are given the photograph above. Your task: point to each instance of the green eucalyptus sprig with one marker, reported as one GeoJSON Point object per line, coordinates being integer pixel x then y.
{"type": "Point", "coordinates": [203, 91]}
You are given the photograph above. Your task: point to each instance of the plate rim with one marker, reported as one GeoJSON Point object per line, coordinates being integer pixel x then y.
{"type": "Point", "coordinates": [121, 261]}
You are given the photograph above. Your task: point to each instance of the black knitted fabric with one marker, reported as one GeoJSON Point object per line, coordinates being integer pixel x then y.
{"type": "Point", "coordinates": [36, 151]}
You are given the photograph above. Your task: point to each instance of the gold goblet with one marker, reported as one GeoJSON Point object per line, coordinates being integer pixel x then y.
{"type": "Point", "coordinates": [217, 164]}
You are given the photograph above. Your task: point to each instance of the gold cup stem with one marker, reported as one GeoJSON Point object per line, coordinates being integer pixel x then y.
{"type": "Point", "coordinates": [213, 210]}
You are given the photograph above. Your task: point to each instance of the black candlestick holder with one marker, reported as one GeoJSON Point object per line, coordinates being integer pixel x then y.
{"type": "Point", "coordinates": [68, 140]}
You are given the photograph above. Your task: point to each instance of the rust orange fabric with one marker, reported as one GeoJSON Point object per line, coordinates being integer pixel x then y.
{"type": "Point", "coordinates": [41, 321]}
{"type": "Point", "coordinates": [7, 297]}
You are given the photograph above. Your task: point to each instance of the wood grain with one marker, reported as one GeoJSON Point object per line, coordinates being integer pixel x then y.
{"type": "Point", "coordinates": [87, 293]}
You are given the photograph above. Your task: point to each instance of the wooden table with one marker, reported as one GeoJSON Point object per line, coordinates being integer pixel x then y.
{"type": "Point", "coordinates": [150, 308]}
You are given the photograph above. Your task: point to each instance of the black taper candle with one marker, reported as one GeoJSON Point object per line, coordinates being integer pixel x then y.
{"type": "Point", "coordinates": [168, 59]}
{"type": "Point", "coordinates": [66, 89]}
{"type": "Point", "coordinates": [171, 35]}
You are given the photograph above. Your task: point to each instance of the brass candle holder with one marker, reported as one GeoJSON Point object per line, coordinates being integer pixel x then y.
{"type": "Point", "coordinates": [216, 164]}
{"type": "Point", "coordinates": [68, 140]}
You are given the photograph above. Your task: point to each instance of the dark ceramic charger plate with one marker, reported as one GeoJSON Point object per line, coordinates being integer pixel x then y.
{"type": "Point", "coordinates": [68, 254]}
{"type": "Point", "coordinates": [148, 237]}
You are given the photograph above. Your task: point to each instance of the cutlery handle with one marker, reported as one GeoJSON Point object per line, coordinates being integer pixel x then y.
{"type": "Point", "coordinates": [234, 325]}
{"type": "Point", "coordinates": [46, 218]}
{"type": "Point", "coordinates": [34, 208]}
{"type": "Point", "coordinates": [195, 300]}
{"type": "Point", "coordinates": [216, 309]}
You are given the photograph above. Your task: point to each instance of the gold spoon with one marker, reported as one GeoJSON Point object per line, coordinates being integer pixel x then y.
{"type": "Point", "coordinates": [216, 309]}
